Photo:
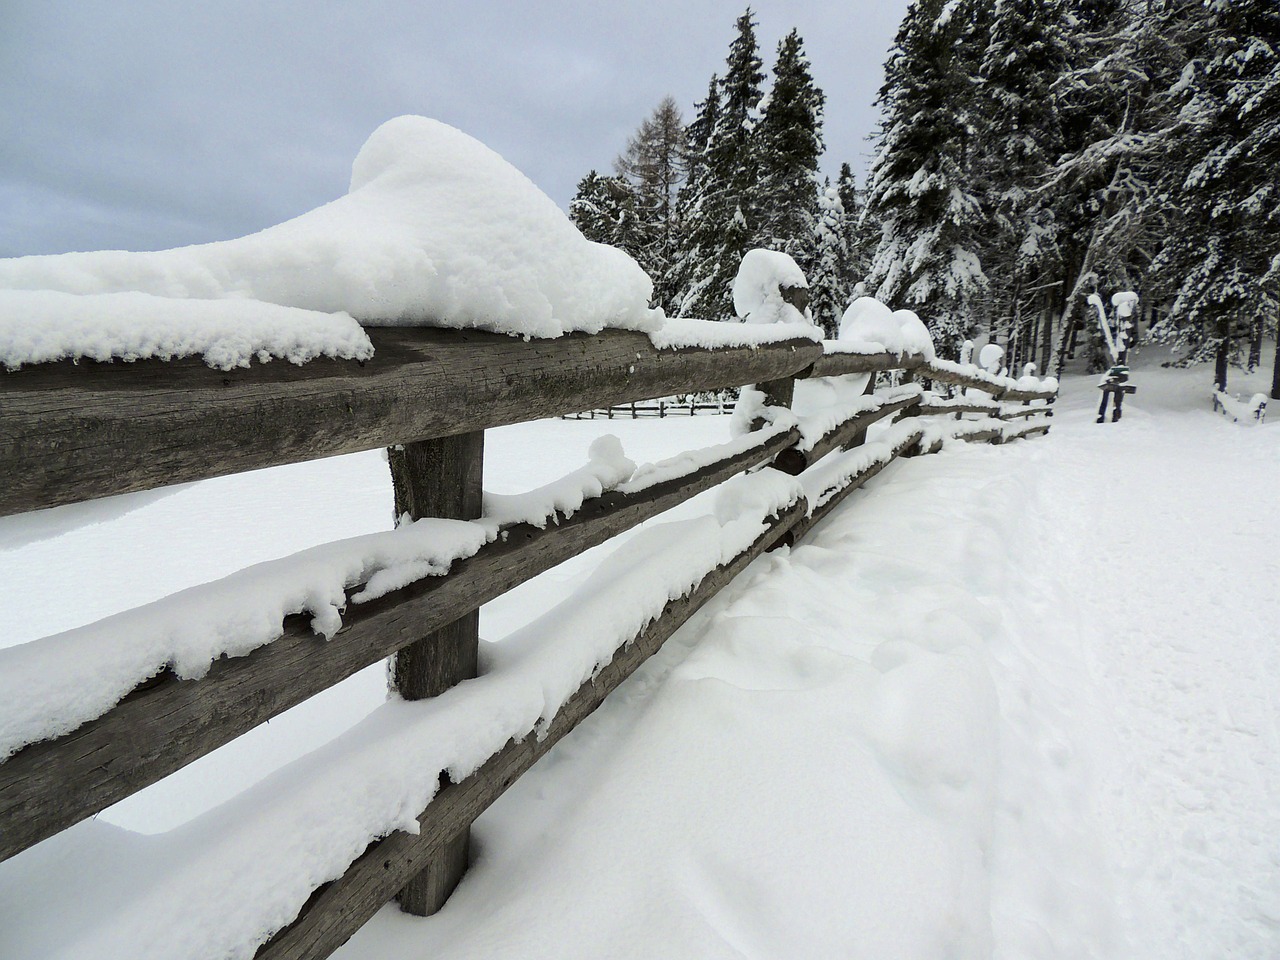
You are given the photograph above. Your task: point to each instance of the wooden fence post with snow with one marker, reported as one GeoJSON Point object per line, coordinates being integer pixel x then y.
{"type": "Point", "coordinates": [438, 478]}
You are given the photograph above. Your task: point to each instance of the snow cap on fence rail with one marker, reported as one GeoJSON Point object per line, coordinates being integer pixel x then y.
{"type": "Point", "coordinates": [770, 287]}
{"type": "Point", "coordinates": [437, 229]}
{"type": "Point", "coordinates": [870, 322]}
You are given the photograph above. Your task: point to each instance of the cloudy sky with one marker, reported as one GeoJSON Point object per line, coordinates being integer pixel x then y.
{"type": "Point", "coordinates": [144, 124]}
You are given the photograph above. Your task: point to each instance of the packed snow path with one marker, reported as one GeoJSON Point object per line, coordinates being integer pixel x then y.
{"type": "Point", "coordinates": [1163, 532]}
{"type": "Point", "coordinates": [1007, 702]}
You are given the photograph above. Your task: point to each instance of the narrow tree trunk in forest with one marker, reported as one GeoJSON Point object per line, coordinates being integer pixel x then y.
{"type": "Point", "coordinates": [1220, 356]}
{"type": "Point", "coordinates": [1255, 346]}
{"type": "Point", "coordinates": [1046, 334]}
{"type": "Point", "coordinates": [1275, 369]}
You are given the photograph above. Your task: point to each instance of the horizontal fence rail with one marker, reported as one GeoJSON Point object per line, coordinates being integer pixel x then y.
{"type": "Point", "coordinates": [89, 430]}
{"type": "Point", "coordinates": [70, 432]}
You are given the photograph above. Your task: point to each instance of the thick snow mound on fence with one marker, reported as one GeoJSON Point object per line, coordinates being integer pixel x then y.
{"type": "Point", "coordinates": [868, 321]}
{"type": "Point", "coordinates": [758, 286]}
{"type": "Point", "coordinates": [436, 229]}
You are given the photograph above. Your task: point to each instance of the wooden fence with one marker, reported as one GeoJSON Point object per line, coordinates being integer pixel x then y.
{"type": "Point", "coordinates": [71, 432]}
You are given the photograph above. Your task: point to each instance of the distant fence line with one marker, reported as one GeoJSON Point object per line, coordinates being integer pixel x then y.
{"type": "Point", "coordinates": [666, 407]}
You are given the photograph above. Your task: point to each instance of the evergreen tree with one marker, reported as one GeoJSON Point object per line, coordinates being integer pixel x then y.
{"type": "Point", "coordinates": [721, 219]}
{"type": "Point", "coordinates": [829, 288]}
{"type": "Point", "coordinates": [920, 188]}
{"type": "Point", "coordinates": [684, 258]}
{"type": "Point", "coordinates": [860, 234]}
{"type": "Point", "coordinates": [604, 209]}
{"type": "Point", "coordinates": [1115, 117]}
{"type": "Point", "coordinates": [788, 146]}
{"type": "Point", "coordinates": [1021, 141]}
{"type": "Point", "coordinates": [1226, 256]}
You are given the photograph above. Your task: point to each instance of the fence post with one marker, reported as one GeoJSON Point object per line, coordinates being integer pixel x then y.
{"type": "Point", "coordinates": [438, 478]}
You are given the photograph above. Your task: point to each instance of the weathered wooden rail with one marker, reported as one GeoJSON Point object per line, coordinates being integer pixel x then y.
{"type": "Point", "coordinates": [71, 432]}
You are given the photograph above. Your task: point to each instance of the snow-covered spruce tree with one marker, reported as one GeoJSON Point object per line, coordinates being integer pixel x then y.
{"type": "Point", "coordinates": [788, 147]}
{"type": "Point", "coordinates": [1117, 119]}
{"type": "Point", "coordinates": [604, 210]}
{"type": "Point", "coordinates": [683, 270]}
{"type": "Point", "coordinates": [654, 164]}
{"type": "Point", "coordinates": [1226, 254]}
{"type": "Point", "coordinates": [1021, 140]}
{"type": "Point", "coordinates": [860, 235]}
{"type": "Point", "coordinates": [829, 288]}
{"type": "Point", "coordinates": [720, 216]}
{"type": "Point", "coordinates": [920, 185]}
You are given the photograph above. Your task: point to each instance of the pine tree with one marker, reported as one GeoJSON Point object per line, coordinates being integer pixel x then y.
{"type": "Point", "coordinates": [829, 288]}
{"type": "Point", "coordinates": [1021, 141]}
{"type": "Point", "coordinates": [1115, 117]}
{"type": "Point", "coordinates": [788, 146]}
{"type": "Point", "coordinates": [1227, 252]}
{"type": "Point", "coordinates": [920, 189]}
{"type": "Point", "coordinates": [722, 222]}
{"type": "Point", "coordinates": [687, 255]}
{"type": "Point", "coordinates": [860, 234]}
{"type": "Point", "coordinates": [604, 210]}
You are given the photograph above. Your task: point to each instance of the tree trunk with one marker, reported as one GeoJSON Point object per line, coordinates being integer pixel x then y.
{"type": "Point", "coordinates": [1046, 333]}
{"type": "Point", "coordinates": [1275, 371]}
{"type": "Point", "coordinates": [1221, 354]}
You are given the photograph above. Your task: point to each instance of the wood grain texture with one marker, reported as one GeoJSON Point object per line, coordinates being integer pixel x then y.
{"type": "Point", "coordinates": [839, 364]}
{"type": "Point", "coordinates": [1027, 412]}
{"type": "Point", "coordinates": [1027, 432]}
{"type": "Point", "coordinates": [167, 723]}
{"type": "Point", "coordinates": [71, 432]}
{"type": "Point", "coordinates": [942, 410]}
{"type": "Point", "coordinates": [337, 910]}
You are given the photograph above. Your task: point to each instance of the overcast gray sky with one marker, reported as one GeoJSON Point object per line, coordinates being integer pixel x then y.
{"type": "Point", "coordinates": [144, 124]}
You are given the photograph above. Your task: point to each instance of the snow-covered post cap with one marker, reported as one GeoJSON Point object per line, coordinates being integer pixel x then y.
{"type": "Point", "coordinates": [989, 357]}
{"type": "Point", "coordinates": [771, 288]}
{"type": "Point", "coordinates": [1124, 302]}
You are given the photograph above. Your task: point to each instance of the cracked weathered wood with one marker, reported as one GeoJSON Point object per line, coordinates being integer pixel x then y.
{"type": "Point", "coordinates": [166, 723]}
{"type": "Point", "coordinates": [76, 431]}
{"type": "Point", "coordinates": [339, 909]}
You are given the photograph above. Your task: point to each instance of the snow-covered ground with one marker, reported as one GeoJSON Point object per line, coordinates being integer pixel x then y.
{"type": "Point", "coordinates": [1007, 701]}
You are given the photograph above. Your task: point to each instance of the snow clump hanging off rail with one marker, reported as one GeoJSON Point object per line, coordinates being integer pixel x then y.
{"type": "Point", "coordinates": [437, 229]}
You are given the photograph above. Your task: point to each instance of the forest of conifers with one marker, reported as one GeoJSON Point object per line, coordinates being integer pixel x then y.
{"type": "Point", "coordinates": [1030, 152]}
